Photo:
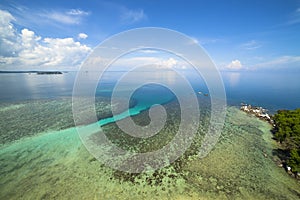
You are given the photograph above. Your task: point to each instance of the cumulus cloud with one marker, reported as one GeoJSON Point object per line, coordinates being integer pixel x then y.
{"type": "Point", "coordinates": [169, 63]}
{"type": "Point", "coordinates": [53, 52]}
{"type": "Point", "coordinates": [27, 49]}
{"type": "Point", "coordinates": [133, 16]}
{"type": "Point", "coordinates": [8, 42]}
{"type": "Point", "coordinates": [281, 63]}
{"type": "Point", "coordinates": [234, 65]}
{"type": "Point", "coordinates": [82, 36]}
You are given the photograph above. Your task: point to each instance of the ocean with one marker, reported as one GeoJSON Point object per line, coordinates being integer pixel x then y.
{"type": "Point", "coordinates": [272, 91]}
{"type": "Point", "coordinates": [43, 157]}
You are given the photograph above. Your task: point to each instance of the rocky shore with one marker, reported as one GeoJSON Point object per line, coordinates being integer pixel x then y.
{"type": "Point", "coordinates": [258, 112]}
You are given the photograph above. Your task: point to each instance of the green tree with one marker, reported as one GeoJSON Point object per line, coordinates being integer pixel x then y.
{"type": "Point", "coordinates": [294, 160]}
{"type": "Point", "coordinates": [287, 131]}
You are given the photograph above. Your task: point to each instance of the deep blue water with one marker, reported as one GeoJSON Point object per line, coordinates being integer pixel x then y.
{"type": "Point", "coordinates": [273, 91]}
{"type": "Point", "coordinates": [270, 90]}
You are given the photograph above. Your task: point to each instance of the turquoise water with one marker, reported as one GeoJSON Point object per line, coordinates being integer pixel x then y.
{"type": "Point", "coordinates": [145, 97]}
{"type": "Point", "coordinates": [55, 164]}
{"type": "Point", "coordinates": [42, 156]}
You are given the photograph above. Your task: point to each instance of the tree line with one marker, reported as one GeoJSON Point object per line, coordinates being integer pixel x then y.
{"type": "Point", "coordinates": [287, 132]}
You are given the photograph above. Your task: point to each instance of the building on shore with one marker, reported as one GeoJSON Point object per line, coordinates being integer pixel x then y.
{"type": "Point", "coordinates": [258, 112]}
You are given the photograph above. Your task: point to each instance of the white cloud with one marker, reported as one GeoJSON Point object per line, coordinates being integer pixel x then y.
{"type": "Point", "coordinates": [251, 45]}
{"type": "Point", "coordinates": [28, 50]}
{"type": "Point", "coordinates": [82, 36]}
{"type": "Point", "coordinates": [8, 41]}
{"type": "Point", "coordinates": [133, 16]}
{"type": "Point", "coordinates": [204, 41]}
{"type": "Point", "coordinates": [77, 12]}
{"type": "Point", "coordinates": [170, 63]}
{"type": "Point", "coordinates": [234, 65]}
{"type": "Point", "coordinates": [149, 51]}
{"type": "Point", "coordinates": [47, 18]}
{"type": "Point", "coordinates": [194, 40]}
{"type": "Point", "coordinates": [294, 17]}
{"type": "Point", "coordinates": [6, 17]}
{"type": "Point", "coordinates": [73, 16]}
{"type": "Point", "coordinates": [62, 18]}
{"type": "Point", "coordinates": [51, 52]}
{"type": "Point", "coordinates": [157, 62]}
{"type": "Point", "coordinates": [137, 61]}
{"type": "Point", "coordinates": [56, 52]}
{"type": "Point", "coordinates": [29, 39]}
{"type": "Point", "coordinates": [280, 63]}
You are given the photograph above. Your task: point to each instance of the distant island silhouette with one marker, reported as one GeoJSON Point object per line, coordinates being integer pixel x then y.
{"type": "Point", "coordinates": [35, 72]}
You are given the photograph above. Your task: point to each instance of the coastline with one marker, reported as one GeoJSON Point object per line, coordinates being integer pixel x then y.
{"type": "Point", "coordinates": [278, 156]}
{"type": "Point", "coordinates": [257, 111]}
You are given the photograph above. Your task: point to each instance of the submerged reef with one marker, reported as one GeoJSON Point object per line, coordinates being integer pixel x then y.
{"type": "Point", "coordinates": [29, 118]}
{"type": "Point", "coordinates": [55, 163]}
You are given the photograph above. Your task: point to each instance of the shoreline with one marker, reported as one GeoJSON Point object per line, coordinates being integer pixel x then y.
{"type": "Point", "coordinates": [279, 159]}
{"type": "Point", "coordinates": [259, 112]}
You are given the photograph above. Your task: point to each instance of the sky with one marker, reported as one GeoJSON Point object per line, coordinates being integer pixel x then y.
{"type": "Point", "coordinates": [238, 35]}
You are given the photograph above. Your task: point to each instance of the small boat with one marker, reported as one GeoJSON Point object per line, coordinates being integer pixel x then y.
{"type": "Point", "coordinates": [206, 94]}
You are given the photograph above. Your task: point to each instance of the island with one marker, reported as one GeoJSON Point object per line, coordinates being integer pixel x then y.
{"type": "Point", "coordinates": [31, 72]}
{"type": "Point", "coordinates": [48, 72]}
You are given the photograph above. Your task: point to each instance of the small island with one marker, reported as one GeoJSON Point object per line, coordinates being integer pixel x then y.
{"type": "Point", "coordinates": [31, 72]}
{"type": "Point", "coordinates": [48, 72]}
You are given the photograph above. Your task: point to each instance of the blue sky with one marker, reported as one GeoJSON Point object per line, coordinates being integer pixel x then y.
{"type": "Point", "coordinates": [238, 35]}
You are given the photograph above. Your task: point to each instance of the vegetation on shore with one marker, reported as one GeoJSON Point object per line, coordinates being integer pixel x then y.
{"type": "Point", "coordinates": [287, 132]}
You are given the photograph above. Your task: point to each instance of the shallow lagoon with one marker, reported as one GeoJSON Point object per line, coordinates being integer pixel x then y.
{"type": "Point", "coordinates": [51, 164]}
{"type": "Point", "coordinates": [42, 156]}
